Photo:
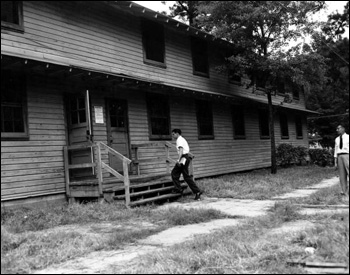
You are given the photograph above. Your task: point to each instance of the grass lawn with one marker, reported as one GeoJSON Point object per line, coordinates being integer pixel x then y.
{"type": "Point", "coordinates": [36, 238]}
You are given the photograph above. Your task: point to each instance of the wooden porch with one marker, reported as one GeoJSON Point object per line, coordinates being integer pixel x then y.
{"type": "Point", "coordinates": [107, 184]}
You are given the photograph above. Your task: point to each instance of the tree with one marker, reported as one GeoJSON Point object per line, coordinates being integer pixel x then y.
{"type": "Point", "coordinates": [258, 31]}
{"type": "Point", "coordinates": [332, 100]}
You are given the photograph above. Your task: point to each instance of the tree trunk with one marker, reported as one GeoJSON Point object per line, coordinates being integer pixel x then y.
{"type": "Point", "coordinates": [272, 135]}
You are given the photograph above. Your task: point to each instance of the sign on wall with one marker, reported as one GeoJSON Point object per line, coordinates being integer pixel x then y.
{"type": "Point", "coordinates": [98, 114]}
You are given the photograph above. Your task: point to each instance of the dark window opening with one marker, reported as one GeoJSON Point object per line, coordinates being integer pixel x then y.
{"type": "Point", "coordinates": [238, 122]}
{"type": "Point", "coordinates": [159, 117]}
{"type": "Point", "coordinates": [13, 105]}
{"type": "Point", "coordinates": [233, 77]}
{"type": "Point", "coordinates": [264, 123]}
{"type": "Point", "coordinates": [200, 63]}
{"type": "Point", "coordinates": [299, 127]}
{"type": "Point", "coordinates": [284, 126]}
{"type": "Point", "coordinates": [117, 113]}
{"type": "Point", "coordinates": [153, 43]}
{"type": "Point", "coordinates": [205, 120]}
{"type": "Point", "coordinates": [12, 15]}
{"type": "Point", "coordinates": [77, 110]}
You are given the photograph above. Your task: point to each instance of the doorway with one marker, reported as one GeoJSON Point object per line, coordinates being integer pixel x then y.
{"type": "Point", "coordinates": [79, 133]}
{"type": "Point", "coordinates": [118, 131]}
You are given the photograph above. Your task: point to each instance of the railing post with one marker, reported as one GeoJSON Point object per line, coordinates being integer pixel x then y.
{"type": "Point", "coordinates": [167, 157]}
{"type": "Point", "coordinates": [99, 169]}
{"type": "Point", "coordinates": [126, 183]}
{"type": "Point", "coordinates": [66, 170]}
{"type": "Point", "coordinates": [137, 160]}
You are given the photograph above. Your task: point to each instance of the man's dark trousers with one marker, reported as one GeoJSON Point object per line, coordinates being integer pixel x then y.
{"type": "Point", "coordinates": [183, 169]}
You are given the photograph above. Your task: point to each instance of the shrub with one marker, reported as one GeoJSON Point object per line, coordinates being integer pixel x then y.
{"type": "Point", "coordinates": [287, 154]}
{"type": "Point", "coordinates": [321, 157]}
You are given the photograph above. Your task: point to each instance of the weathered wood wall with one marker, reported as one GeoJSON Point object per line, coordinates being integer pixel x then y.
{"type": "Point", "coordinates": [96, 36]}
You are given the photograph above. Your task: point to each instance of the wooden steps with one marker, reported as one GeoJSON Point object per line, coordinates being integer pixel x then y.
{"type": "Point", "coordinates": [143, 189]}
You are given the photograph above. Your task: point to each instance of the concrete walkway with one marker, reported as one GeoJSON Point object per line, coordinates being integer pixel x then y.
{"type": "Point", "coordinates": [100, 261]}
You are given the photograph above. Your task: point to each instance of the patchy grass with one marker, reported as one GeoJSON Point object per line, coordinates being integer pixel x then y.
{"type": "Point", "coordinates": [325, 196]}
{"type": "Point", "coordinates": [251, 248]}
{"type": "Point", "coordinates": [261, 184]}
{"type": "Point", "coordinates": [36, 238]}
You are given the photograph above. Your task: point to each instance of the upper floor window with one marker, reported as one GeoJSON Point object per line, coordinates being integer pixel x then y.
{"type": "Point", "coordinates": [205, 120]}
{"type": "Point", "coordinates": [264, 123]}
{"type": "Point", "coordinates": [233, 77]}
{"type": "Point", "coordinates": [284, 126]}
{"type": "Point", "coordinates": [14, 123]}
{"type": "Point", "coordinates": [153, 43]}
{"type": "Point", "coordinates": [296, 92]}
{"type": "Point", "coordinates": [12, 15]}
{"type": "Point", "coordinates": [158, 117]}
{"type": "Point", "coordinates": [299, 127]}
{"type": "Point", "coordinates": [238, 122]}
{"type": "Point", "coordinates": [200, 63]}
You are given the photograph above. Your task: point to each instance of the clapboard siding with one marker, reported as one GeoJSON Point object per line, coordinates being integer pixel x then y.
{"type": "Point", "coordinates": [102, 38]}
{"type": "Point", "coordinates": [117, 44]}
{"type": "Point", "coordinates": [36, 165]}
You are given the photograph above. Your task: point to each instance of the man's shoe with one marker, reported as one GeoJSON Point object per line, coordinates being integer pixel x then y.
{"type": "Point", "coordinates": [198, 196]}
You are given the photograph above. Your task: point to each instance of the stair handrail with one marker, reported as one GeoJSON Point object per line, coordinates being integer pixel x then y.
{"type": "Point", "coordinates": [125, 178]}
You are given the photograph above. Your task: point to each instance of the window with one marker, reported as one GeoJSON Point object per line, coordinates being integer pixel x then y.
{"type": "Point", "coordinates": [264, 124]}
{"type": "Point", "coordinates": [238, 122]}
{"type": "Point", "coordinates": [77, 110]}
{"type": "Point", "coordinates": [14, 123]}
{"type": "Point", "coordinates": [296, 90]}
{"type": "Point", "coordinates": [158, 117]}
{"type": "Point", "coordinates": [199, 49]}
{"type": "Point", "coordinates": [233, 77]}
{"type": "Point", "coordinates": [205, 120]}
{"type": "Point", "coordinates": [299, 127]}
{"type": "Point", "coordinates": [12, 15]}
{"type": "Point", "coordinates": [153, 43]}
{"type": "Point", "coordinates": [284, 126]}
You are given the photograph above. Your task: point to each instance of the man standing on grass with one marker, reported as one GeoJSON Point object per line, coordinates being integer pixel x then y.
{"type": "Point", "coordinates": [181, 166]}
{"type": "Point", "coordinates": [341, 158]}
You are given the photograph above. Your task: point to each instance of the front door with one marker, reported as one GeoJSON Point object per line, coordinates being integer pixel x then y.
{"type": "Point", "coordinates": [79, 133]}
{"type": "Point", "coordinates": [118, 131]}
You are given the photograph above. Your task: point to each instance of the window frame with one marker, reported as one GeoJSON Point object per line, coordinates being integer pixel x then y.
{"type": "Point", "coordinates": [260, 113]}
{"type": "Point", "coordinates": [199, 55]}
{"type": "Point", "coordinates": [15, 26]}
{"type": "Point", "coordinates": [150, 27]}
{"type": "Point", "coordinates": [207, 106]}
{"type": "Point", "coordinates": [24, 105]}
{"type": "Point", "coordinates": [241, 116]}
{"type": "Point", "coordinates": [281, 117]}
{"type": "Point", "coordinates": [163, 99]}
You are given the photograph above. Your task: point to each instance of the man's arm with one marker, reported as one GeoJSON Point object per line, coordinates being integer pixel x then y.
{"type": "Point", "coordinates": [180, 153]}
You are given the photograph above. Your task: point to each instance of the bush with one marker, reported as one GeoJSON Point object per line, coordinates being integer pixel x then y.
{"type": "Point", "coordinates": [287, 154]}
{"type": "Point", "coordinates": [321, 157]}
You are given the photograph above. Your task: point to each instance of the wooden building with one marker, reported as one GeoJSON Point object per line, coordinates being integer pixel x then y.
{"type": "Point", "coordinates": [77, 73]}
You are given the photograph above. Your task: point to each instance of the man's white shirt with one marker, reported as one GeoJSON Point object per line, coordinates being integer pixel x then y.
{"type": "Point", "coordinates": [345, 148]}
{"type": "Point", "coordinates": [181, 142]}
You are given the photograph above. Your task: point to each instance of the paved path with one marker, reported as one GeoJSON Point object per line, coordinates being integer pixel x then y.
{"type": "Point", "coordinates": [98, 262]}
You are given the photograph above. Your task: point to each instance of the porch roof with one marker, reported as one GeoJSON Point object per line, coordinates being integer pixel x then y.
{"type": "Point", "coordinates": [48, 62]}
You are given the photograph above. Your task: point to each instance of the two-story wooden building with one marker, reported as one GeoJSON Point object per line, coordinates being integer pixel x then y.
{"type": "Point", "coordinates": [81, 72]}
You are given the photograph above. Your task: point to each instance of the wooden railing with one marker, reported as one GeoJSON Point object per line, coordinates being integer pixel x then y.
{"type": "Point", "coordinates": [167, 145]}
{"type": "Point", "coordinates": [99, 165]}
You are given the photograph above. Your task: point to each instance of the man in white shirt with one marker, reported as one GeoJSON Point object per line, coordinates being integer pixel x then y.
{"type": "Point", "coordinates": [341, 158]}
{"type": "Point", "coordinates": [182, 165]}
